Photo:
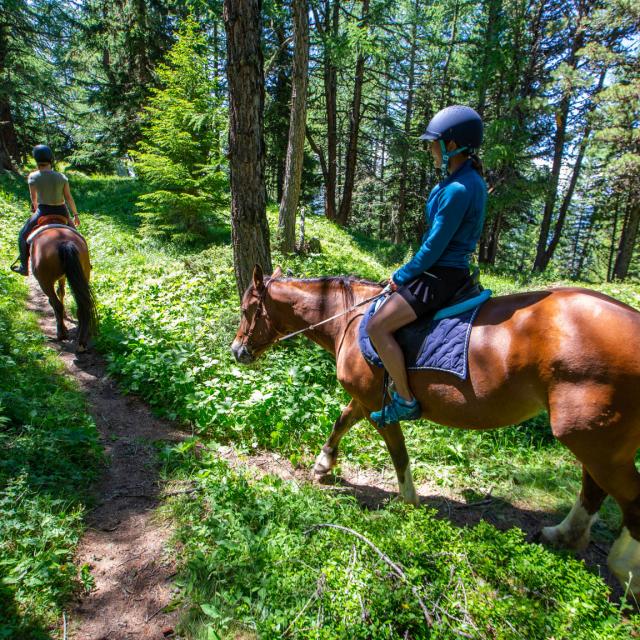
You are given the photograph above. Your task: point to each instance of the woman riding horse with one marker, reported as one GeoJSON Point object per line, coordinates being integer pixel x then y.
{"type": "Point", "coordinates": [455, 214]}
{"type": "Point", "coordinates": [49, 189]}
{"type": "Point", "coordinates": [58, 252]}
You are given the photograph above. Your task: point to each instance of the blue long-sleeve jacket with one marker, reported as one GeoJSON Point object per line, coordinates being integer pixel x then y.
{"type": "Point", "coordinates": [455, 215]}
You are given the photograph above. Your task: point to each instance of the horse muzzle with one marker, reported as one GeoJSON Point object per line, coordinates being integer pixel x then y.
{"type": "Point", "coordinates": [241, 353]}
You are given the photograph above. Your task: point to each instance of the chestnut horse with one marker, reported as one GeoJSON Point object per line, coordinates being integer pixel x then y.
{"type": "Point", "coordinates": [572, 352]}
{"type": "Point", "coordinates": [58, 255]}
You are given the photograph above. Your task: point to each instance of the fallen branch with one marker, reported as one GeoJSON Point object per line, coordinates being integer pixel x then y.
{"type": "Point", "coordinates": [383, 556]}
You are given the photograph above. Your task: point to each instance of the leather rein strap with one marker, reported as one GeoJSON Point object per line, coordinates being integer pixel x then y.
{"type": "Point", "coordinates": [384, 292]}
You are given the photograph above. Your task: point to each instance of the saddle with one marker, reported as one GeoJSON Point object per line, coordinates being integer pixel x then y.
{"type": "Point", "coordinates": [53, 219]}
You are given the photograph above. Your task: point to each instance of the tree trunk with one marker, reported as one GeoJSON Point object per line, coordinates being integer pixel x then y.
{"type": "Point", "coordinates": [297, 125]}
{"type": "Point", "coordinates": [9, 147]}
{"type": "Point", "coordinates": [627, 240]}
{"type": "Point", "coordinates": [249, 227]}
{"type": "Point", "coordinates": [330, 96]}
{"type": "Point", "coordinates": [562, 115]}
{"type": "Point", "coordinates": [542, 261]}
{"type": "Point", "coordinates": [488, 249]}
{"type": "Point", "coordinates": [408, 114]}
{"type": "Point", "coordinates": [351, 157]}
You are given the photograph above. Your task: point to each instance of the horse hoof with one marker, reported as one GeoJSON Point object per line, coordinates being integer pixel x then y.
{"type": "Point", "coordinates": [324, 463]}
{"type": "Point", "coordinates": [559, 538]}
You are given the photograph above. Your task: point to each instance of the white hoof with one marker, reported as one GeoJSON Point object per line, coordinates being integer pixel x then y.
{"type": "Point", "coordinates": [574, 531]}
{"type": "Point", "coordinates": [624, 561]}
{"type": "Point", "coordinates": [324, 463]}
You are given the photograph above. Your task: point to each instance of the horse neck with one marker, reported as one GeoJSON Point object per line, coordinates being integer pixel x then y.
{"type": "Point", "coordinates": [301, 303]}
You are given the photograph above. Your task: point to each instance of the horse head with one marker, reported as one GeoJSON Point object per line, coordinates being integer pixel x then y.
{"type": "Point", "coordinates": [256, 332]}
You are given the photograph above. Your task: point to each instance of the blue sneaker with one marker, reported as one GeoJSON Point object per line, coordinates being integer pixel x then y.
{"type": "Point", "coordinates": [398, 409]}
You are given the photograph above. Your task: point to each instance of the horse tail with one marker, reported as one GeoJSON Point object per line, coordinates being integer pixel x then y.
{"type": "Point", "coordinates": [80, 287]}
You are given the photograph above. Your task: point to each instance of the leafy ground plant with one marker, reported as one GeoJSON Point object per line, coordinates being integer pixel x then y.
{"type": "Point", "coordinates": [269, 559]}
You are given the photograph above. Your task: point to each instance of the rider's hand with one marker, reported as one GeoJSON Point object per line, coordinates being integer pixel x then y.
{"type": "Point", "coordinates": [76, 220]}
{"type": "Point", "coordinates": [392, 285]}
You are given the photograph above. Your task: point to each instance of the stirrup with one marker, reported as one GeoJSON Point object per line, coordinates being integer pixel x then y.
{"type": "Point", "coordinates": [396, 410]}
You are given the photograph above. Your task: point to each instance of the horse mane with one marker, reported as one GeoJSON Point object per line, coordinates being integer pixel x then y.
{"type": "Point", "coordinates": [345, 283]}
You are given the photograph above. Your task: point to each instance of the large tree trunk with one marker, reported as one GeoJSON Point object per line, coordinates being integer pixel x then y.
{"type": "Point", "coordinates": [627, 240]}
{"type": "Point", "coordinates": [249, 227]}
{"type": "Point", "coordinates": [351, 158]}
{"type": "Point", "coordinates": [297, 125]}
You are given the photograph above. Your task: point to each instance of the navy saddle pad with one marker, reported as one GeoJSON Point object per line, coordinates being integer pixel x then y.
{"type": "Point", "coordinates": [441, 344]}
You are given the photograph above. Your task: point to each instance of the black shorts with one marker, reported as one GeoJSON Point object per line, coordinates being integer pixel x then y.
{"type": "Point", "coordinates": [431, 291]}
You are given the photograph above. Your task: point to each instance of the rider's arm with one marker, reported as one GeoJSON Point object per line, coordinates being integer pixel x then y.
{"type": "Point", "coordinates": [452, 205]}
{"type": "Point", "coordinates": [70, 201]}
{"type": "Point", "coordinates": [34, 197]}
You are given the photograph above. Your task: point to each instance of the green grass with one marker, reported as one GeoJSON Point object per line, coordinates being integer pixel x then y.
{"type": "Point", "coordinates": [168, 316]}
{"type": "Point", "coordinates": [48, 456]}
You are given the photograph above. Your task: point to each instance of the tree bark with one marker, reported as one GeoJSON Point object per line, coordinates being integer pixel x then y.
{"type": "Point", "coordinates": [351, 157]}
{"type": "Point", "coordinates": [249, 226]}
{"type": "Point", "coordinates": [332, 25]}
{"type": "Point", "coordinates": [542, 260]}
{"type": "Point", "coordinates": [627, 240]}
{"type": "Point", "coordinates": [562, 115]}
{"type": "Point", "coordinates": [297, 126]}
{"type": "Point", "coordinates": [408, 115]}
{"type": "Point", "coordinates": [9, 147]}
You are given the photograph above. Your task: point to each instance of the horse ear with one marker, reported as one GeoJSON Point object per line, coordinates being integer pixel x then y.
{"type": "Point", "coordinates": [277, 273]}
{"type": "Point", "coordinates": [258, 277]}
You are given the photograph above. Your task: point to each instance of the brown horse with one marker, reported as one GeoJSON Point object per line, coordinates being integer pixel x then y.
{"type": "Point", "coordinates": [572, 352]}
{"type": "Point", "coordinates": [58, 255]}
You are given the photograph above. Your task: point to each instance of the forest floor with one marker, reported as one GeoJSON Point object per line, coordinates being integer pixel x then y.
{"type": "Point", "coordinates": [126, 542]}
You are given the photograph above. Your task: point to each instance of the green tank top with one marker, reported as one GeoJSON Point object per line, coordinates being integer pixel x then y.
{"type": "Point", "coordinates": [49, 186]}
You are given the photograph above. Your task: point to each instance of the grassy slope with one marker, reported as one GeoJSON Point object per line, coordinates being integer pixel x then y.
{"type": "Point", "coordinates": [48, 456]}
{"type": "Point", "coordinates": [168, 318]}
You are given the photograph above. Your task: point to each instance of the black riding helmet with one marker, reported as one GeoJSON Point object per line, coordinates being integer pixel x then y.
{"type": "Point", "coordinates": [458, 123]}
{"type": "Point", "coordinates": [42, 154]}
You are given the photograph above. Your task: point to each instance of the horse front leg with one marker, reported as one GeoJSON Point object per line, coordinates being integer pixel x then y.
{"type": "Point", "coordinates": [394, 439]}
{"type": "Point", "coordinates": [328, 457]}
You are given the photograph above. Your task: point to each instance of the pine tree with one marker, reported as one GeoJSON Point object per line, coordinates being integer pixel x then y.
{"type": "Point", "coordinates": [179, 153]}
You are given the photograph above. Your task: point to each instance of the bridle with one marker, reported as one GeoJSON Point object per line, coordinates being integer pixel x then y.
{"type": "Point", "coordinates": [260, 311]}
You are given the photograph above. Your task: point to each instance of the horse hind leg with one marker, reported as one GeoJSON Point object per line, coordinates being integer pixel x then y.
{"type": "Point", "coordinates": [58, 310]}
{"type": "Point", "coordinates": [575, 530]}
{"type": "Point", "coordinates": [328, 457]}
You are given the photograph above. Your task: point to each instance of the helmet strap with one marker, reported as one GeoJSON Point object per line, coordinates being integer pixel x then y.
{"type": "Point", "coordinates": [447, 155]}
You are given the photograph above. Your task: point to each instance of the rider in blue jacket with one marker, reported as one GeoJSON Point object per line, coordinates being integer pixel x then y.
{"type": "Point", "coordinates": [455, 215]}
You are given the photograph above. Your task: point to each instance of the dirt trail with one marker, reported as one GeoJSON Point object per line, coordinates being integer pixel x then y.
{"type": "Point", "coordinates": [125, 542]}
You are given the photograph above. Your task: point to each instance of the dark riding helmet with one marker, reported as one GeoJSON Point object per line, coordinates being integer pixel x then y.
{"type": "Point", "coordinates": [458, 123]}
{"type": "Point", "coordinates": [42, 154]}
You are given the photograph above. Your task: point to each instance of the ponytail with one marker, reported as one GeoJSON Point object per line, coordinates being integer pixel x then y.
{"type": "Point", "coordinates": [477, 163]}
